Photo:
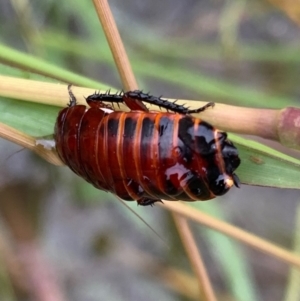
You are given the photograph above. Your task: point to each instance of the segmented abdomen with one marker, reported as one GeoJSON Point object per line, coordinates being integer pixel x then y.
{"type": "Point", "coordinates": [141, 155]}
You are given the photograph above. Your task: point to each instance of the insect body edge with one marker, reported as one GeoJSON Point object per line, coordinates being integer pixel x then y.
{"type": "Point", "coordinates": [146, 156]}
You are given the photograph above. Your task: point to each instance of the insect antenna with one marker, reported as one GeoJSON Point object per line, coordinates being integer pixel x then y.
{"type": "Point", "coordinates": [210, 104]}
{"type": "Point", "coordinates": [143, 221]}
{"type": "Point", "coordinates": [14, 153]}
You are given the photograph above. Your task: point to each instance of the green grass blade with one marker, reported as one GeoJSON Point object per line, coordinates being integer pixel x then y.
{"type": "Point", "coordinates": [198, 83]}
{"type": "Point", "coordinates": [292, 292]}
{"type": "Point", "coordinates": [25, 61]}
{"type": "Point", "coordinates": [263, 166]}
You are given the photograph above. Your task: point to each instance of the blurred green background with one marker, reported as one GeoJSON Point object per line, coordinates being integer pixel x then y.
{"type": "Point", "coordinates": [237, 52]}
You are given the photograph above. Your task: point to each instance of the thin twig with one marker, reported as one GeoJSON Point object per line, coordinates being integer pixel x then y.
{"type": "Point", "coordinates": [115, 43]}
{"type": "Point", "coordinates": [176, 279]}
{"type": "Point", "coordinates": [232, 231]}
{"type": "Point", "coordinates": [194, 257]}
{"type": "Point", "coordinates": [118, 51]}
{"type": "Point", "coordinates": [280, 125]}
{"type": "Point", "coordinates": [29, 142]}
{"type": "Point", "coordinates": [40, 92]}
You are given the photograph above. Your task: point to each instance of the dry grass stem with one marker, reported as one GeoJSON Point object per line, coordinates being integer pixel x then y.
{"type": "Point", "coordinates": [194, 257]}
{"type": "Point", "coordinates": [117, 48]}
{"type": "Point", "coordinates": [175, 279]}
{"type": "Point", "coordinates": [29, 142]}
{"type": "Point", "coordinates": [233, 232]}
{"type": "Point", "coordinates": [179, 281]}
{"type": "Point", "coordinates": [39, 92]}
{"type": "Point", "coordinates": [279, 125]}
{"type": "Point", "coordinates": [115, 43]}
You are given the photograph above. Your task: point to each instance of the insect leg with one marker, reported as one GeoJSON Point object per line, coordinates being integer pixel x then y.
{"type": "Point", "coordinates": [164, 103]}
{"type": "Point", "coordinates": [147, 202]}
{"type": "Point", "coordinates": [72, 101]}
{"type": "Point", "coordinates": [201, 109]}
{"type": "Point", "coordinates": [136, 98]}
{"type": "Point", "coordinates": [96, 100]}
{"type": "Point", "coordinates": [236, 180]}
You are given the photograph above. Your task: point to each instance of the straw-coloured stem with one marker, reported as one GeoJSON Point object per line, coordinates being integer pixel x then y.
{"type": "Point", "coordinates": [234, 232]}
{"type": "Point", "coordinates": [115, 44]}
{"type": "Point", "coordinates": [117, 48]}
{"type": "Point", "coordinates": [278, 125]}
{"type": "Point", "coordinates": [29, 142]}
{"type": "Point", "coordinates": [194, 257]}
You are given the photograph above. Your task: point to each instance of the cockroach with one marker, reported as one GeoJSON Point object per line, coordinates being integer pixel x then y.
{"type": "Point", "coordinates": [145, 156]}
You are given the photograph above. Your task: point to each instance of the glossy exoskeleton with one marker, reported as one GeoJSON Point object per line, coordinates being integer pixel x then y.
{"type": "Point", "coordinates": [145, 156]}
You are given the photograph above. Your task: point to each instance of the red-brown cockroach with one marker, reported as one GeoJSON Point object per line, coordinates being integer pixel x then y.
{"type": "Point", "coordinates": [145, 156]}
